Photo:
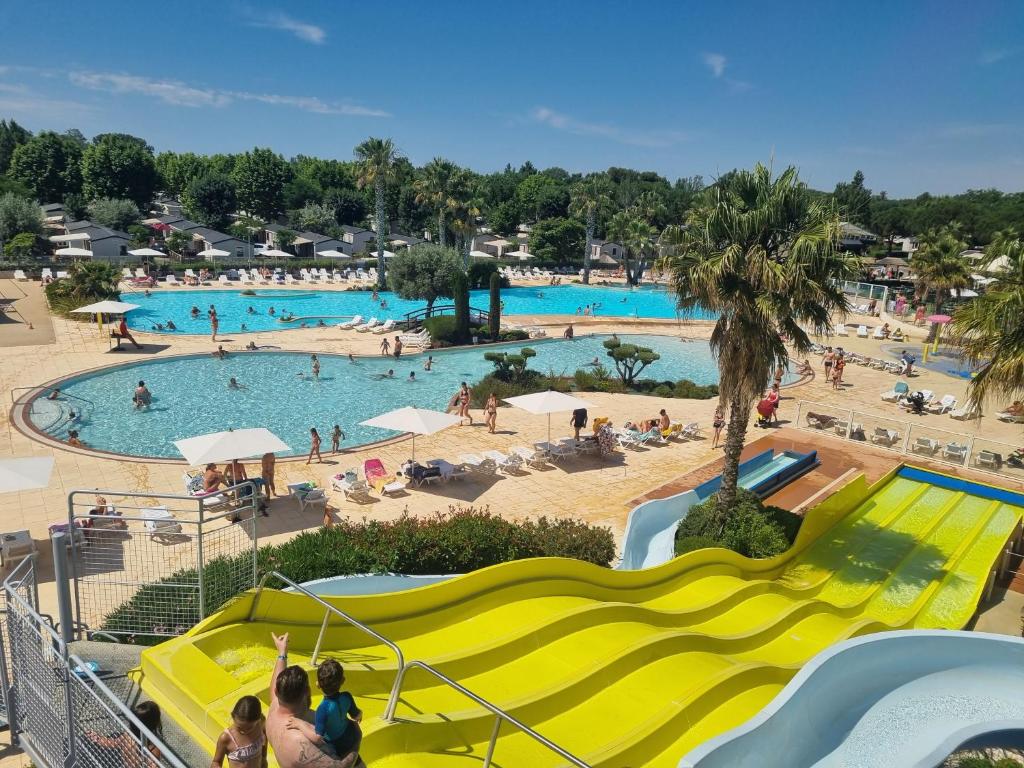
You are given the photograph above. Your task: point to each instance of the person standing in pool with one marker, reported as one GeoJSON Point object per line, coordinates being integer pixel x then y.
{"type": "Point", "coordinates": [316, 365]}
{"type": "Point", "coordinates": [429, 364]}
{"type": "Point", "coordinates": [142, 397]}
{"type": "Point", "coordinates": [337, 435]}
{"type": "Point", "coordinates": [314, 446]}
{"type": "Point", "coordinates": [412, 376]}
{"type": "Point", "coordinates": [195, 311]}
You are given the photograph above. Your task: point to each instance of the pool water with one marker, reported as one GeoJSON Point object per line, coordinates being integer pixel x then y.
{"type": "Point", "coordinates": [191, 396]}
{"type": "Point", "coordinates": [233, 307]}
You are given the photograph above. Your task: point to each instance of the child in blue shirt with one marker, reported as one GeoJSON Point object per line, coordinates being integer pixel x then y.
{"type": "Point", "coordinates": [337, 717]}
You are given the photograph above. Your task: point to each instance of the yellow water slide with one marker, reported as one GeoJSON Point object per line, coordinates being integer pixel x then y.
{"type": "Point", "coordinates": [620, 668]}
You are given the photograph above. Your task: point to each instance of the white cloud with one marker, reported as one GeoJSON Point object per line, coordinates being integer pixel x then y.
{"type": "Point", "coordinates": [996, 55]}
{"type": "Point", "coordinates": [716, 63]}
{"type": "Point", "coordinates": [169, 91]}
{"type": "Point", "coordinates": [183, 95]}
{"type": "Point", "coordinates": [20, 101]}
{"type": "Point", "coordinates": [563, 122]}
{"type": "Point", "coordinates": [311, 33]}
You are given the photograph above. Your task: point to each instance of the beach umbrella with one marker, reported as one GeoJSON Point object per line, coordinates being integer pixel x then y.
{"type": "Point", "coordinates": [940, 319]}
{"type": "Point", "coordinates": [548, 402]}
{"type": "Point", "coordinates": [73, 252]}
{"type": "Point", "coordinates": [108, 307]}
{"type": "Point", "coordinates": [275, 253]}
{"type": "Point", "coordinates": [146, 252]}
{"type": "Point", "coordinates": [418, 421]}
{"type": "Point", "coordinates": [230, 445]}
{"type": "Point", "coordinates": [521, 255]}
{"type": "Point", "coordinates": [25, 474]}
{"type": "Point", "coordinates": [73, 237]}
{"type": "Point", "coordinates": [333, 255]}
{"type": "Point", "coordinates": [215, 253]}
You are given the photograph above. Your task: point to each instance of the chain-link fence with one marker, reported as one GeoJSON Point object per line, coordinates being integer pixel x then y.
{"type": "Point", "coordinates": [61, 713]}
{"type": "Point", "coordinates": [147, 566]}
{"type": "Point", "coordinates": [915, 439]}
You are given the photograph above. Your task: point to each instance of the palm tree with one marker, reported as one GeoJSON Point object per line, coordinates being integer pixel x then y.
{"type": "Point", "coordinates": [377, 158]}
{"type": "Point", "coordinates": [637, 239]}
{"type": "Point", "coordinates": [464, 206]}
{"type": "Point", "coordinates": [587, 199]}
{"type": "Point", "coordinates": [990, 329]}
{"type": "Point", "coordinates": [434, 189]}
{"type": "Point", "coordinates": [761, 255]}
{"type": "Point", "coordinates": [938, 264]}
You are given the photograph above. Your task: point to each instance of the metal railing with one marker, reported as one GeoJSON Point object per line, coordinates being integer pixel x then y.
{"type": "Point", "coordinates": [48, 389]}
{"type": "Point", "coordinates": [329, 610]}
{"type": "Point", "coordinates": [417, 316]}
{"type": "Point", "coordinates": [62, 714]}
{"type": "Point", "coordinates": [500, 714]}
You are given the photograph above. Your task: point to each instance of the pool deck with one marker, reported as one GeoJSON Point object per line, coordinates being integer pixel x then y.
{"type": "Point", "coordinates": [600, 492]}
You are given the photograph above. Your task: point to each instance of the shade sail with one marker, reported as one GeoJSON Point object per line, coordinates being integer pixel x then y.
{"type": "Point", "coordinates": [213, 253]}
{"type": "Point", "coordinates": [73, 237]}
{"type": "Point", "coordinates": [146, 252]}
{"type": "Point", "coordinates": [25, 474]}
{"type": "Point", "coordinates": [418, 421]}
{"type": "Point", "coordinates": [73, 252]}
{"type": "Point", "coordinates": [229, 445]}
{"type": "Point", "coordinates": [107, 308]}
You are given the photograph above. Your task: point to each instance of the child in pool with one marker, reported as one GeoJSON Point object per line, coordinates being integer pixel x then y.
{"type": "Point", "coordinates": [244, 743]}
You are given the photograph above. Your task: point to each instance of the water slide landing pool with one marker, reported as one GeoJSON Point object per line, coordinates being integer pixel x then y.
{"type": "Point", "coordinates": [678, 654]}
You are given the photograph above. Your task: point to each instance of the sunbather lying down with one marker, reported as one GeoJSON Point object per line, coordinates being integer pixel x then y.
{"type": "Point", "coordinates": [820, 420]}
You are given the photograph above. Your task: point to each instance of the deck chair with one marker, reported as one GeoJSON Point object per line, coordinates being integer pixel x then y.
{"type": "Point", "coordinates": [351, 486]}
{"type": "Point", "coordinates": [989, 459]}
{"type": "Point", "coordinates": [878, 334]}
{"type": "Point", "coordinates": [506, 463]}
{"type": "Point", "coordinates": [965, 413]}
{"type": "Point", "coordinates": [862, 331]}
{"type": "Point", "coordinates": [380, 479]}
{"type": "Point", "coordinates": [357, 320]}
{"type": "Point", "coordinates": [947, 403]}
{"type": "Point", "coordinates": [899, 389]}
{"type": "Point", "coordinates": [926, 445]}
{"type": "Point", "coordinates": [883, 436]}
{"type": "Point", "coordinates": [841, 330]}
{"type": "Point", "coordinates": [531, 456]}
{"type": "Point", "coordinates": [955, 452]}
{"type": "Point", "coordinates": [478, 464]}
{"type": "Point", "coordinates": [387, 326]}
{"type": "Point", "coordinates": [692, 431]}
{"type": "Point", "coordinates": [369, 325]}
{"type": "Point", "coordinates": [1013, 418]}
{"type": "Point", "coordinates": [19, 274]}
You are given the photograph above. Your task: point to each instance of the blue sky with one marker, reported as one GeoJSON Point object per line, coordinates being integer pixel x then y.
{"type": "Point", "coordinates": [922, 95]}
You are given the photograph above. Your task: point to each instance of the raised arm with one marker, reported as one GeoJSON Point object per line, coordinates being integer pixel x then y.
{"type": "Point", "coordinates": [281, 643]}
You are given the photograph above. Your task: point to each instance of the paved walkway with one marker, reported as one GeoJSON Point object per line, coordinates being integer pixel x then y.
{"type": "Point", "coordinates": [30, 323]}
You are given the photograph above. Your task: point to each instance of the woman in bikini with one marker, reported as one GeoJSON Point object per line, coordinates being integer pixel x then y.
{"type": "Point", "coordinates": [314, 446]}
{"type": "Point", "coordinates": [491, 412]}
{"type": "Point", "coordinates": [244, 743]}
{"type": "Point", "coordinates": [464, 395]}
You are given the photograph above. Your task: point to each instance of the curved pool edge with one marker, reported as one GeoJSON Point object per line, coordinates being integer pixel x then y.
{"type": "Point", "coordinates": [899, 660]}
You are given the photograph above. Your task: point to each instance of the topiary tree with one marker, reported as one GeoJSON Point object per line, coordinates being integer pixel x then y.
{"type": "Point", "coordinates": [460, 294]}
{"type": "Point", "coordinates": [508, 365]}
{"type": "Point", "coordinates": [494, 314]}
{"type": "Point", "coordinates": [630, 359]}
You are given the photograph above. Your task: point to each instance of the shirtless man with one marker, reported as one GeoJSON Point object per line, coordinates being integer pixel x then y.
{"type": "Point", "coordinates": [290, 698]}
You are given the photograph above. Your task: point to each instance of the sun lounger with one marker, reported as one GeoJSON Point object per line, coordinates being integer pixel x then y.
{"type": "Point", "coordinates": [879, 333]}
{"type": "Point", "coordinates": [989, 460]}
{"type": "Point", "coordinates": [478, 464]}
{"type": "Point", "coordinates": [19, 274]}
{"type": "Point", "coordinates": [388, 326]}
{"type": "Point", "coordinates": [627, 439]}
{"type": "Point", "coordinates": [449, 471]}
{"type": "Point", "coordinates": [926, 445]}
{"type": "Point", "coordinates": [506, 464]}
{"type": "Point", "coordinates": [531, 456]}
{"type": "Point", "coordinates": [171, 280]}
{"type": "Point", "coordinates": [883, 436]}
{"type": "Point", "coordinates": [307, 495]}
{"type": "Point", "coordinates": [692, 431]}
{"type": "Point", "coordinates": [965, 413]}
{"type": "Point", "coordinates": [674, 431]}
{"type": "Point", "coordinates": [380, 479]}
{"type": "Point", "coordinates": [351, 486]}
{"type": "Point", "coordinates": [820, 420]}
{"type": "Point", "coordinates": [1013, 418]}
{"type": "Point", "coordinates": [947, 403]}
{"type": "Point", "coordinates": [842, 428]}
{"type": "Point", "coordinates": [955, 452]}
{"type": "Point", "coordinates": [899, 389]}
{"type": "Point", "coordinates": [159, 521]}
{"type": "Point", "coordinates": [357, 320]}
{"type": "Point", "coordinates": [223, 280]}
{"type": "Point", "coordinates": [246, 277]}
{"type": "Point", "coordinates": [841, 330]}
{"type": "Point", "coordinates": [369, 325]}
{"type": "Point", "coordinates": [862, 331]}
{"type": "Point", "coordinates": [583, 445]}
{"type": "Point", "coordinates": [556, 451]}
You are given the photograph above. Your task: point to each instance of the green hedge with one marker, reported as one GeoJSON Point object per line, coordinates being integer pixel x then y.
{"type": "Point", "coordinates": [529, 382]}
{"type": "Point", "coordinates": [460, 540]}
{"type": "Point", "coordinates": [752, 528]}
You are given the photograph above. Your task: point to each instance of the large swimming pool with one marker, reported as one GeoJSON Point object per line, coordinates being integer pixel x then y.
{"type": "Point", "coordinates": [191, 394]}
{"type": "Point", "coordinates": [233, 307]}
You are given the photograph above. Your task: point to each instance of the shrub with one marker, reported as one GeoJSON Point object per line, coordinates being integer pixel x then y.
{"type": "Point", "coordinates": [513, 335]}
{"type": "Point", "coordinates": [530, 381]}
{"type": "Point", "coordinates": [460, 540]}
{"type": "Point", "coordinates": [442, 330]}
{"type": "Point", "coordinates": [88, 282]}
{"type": "Point", "coordinates": [687, 389]}
{"type": "Point", "coordinates": [751, 528]}
{"type": "Point", "coordinates": [494, 310]}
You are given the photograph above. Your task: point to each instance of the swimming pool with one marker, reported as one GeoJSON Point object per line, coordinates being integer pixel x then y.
{"type": "Point", "coordinates": [233, 306]}
{"type": "Point", "coordinates": [191, 396]}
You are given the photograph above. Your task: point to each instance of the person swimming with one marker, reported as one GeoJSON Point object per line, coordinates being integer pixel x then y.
{"type": "Point", "coordinates": [233, 383]}
{"type": "Point", "coordinates": [320, 323]}
{"type": "Point", "coordinates": [158, 327]}
{"type": "Point", "coordinates": [195, 311]}
{"type": "Point", "coordinates": [271, 311]}
{"type": "Point", "coordinates": [412, 375]}
{"type": "Point", "coordinates": [389, 375]}
{"type": "Point", "coordinates": [244, 327]}
{"type": "Point", "coordinates": [251, 311]}
{"type": "Point", "coordinates": [384, 304]}
{"type": "Point", "coordinates": [171, 326]}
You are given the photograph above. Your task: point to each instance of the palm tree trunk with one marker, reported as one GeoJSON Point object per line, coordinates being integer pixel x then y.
{"type": "Point", "coordinates": [739, 417]}
{"type": "Point", "coordinates": [591, 222]}
{"type": "Point", "coordinates": [441, 236]}
{"type": "Point", "coordinates": [381, 233]}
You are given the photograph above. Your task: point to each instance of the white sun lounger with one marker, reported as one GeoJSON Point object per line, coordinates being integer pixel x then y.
{"type": "Point", "coordinates": [862, 331]}
{"type": "Point", "coordinates": [19, 274]}
{"type": "Point", "coordinates": [841, 330]}
{"type": "Point", "coordinates": [947, 403]}
{"type": "Point", "coordinates": [357, 320]}
{"type": "Point", "coordinates": [531, 456]}
{"type": "Point", "coordinates": [478, 464]}
{"type": "Point", "coordinates": [506, 463]}
{"type": "Point", "coordinates": [966, 413]}
{"type": "Point", "coordinates": [369, 325]}
{"type": "Point", "coordinates": [388, 325]}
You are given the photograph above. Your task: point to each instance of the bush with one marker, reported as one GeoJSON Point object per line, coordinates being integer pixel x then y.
{"type": "Point", "coordinates": [442, 330]}
{"type": "Point", "coordinates": [460, 540]}
{"type": "Point", "coordinates": [480, 272]}
{"type": "Point", "coordinates": [529, 382]}
{"type": "Point", "coordinates": [751, 528]}
{"type": "Point", "coordinates": [87, 283]}
{"type": "Point", "coordinates": [513, 335]}
{"type": "Point", "coordinates": [682, 389]}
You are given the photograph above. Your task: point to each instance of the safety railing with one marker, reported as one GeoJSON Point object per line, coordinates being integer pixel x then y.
{"type": "Point", "coordinates": [500, 714]}
{"type": "Point", "coordinates": [329, 610]}
{"type": "Point", "coordinates": [15, 399]}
